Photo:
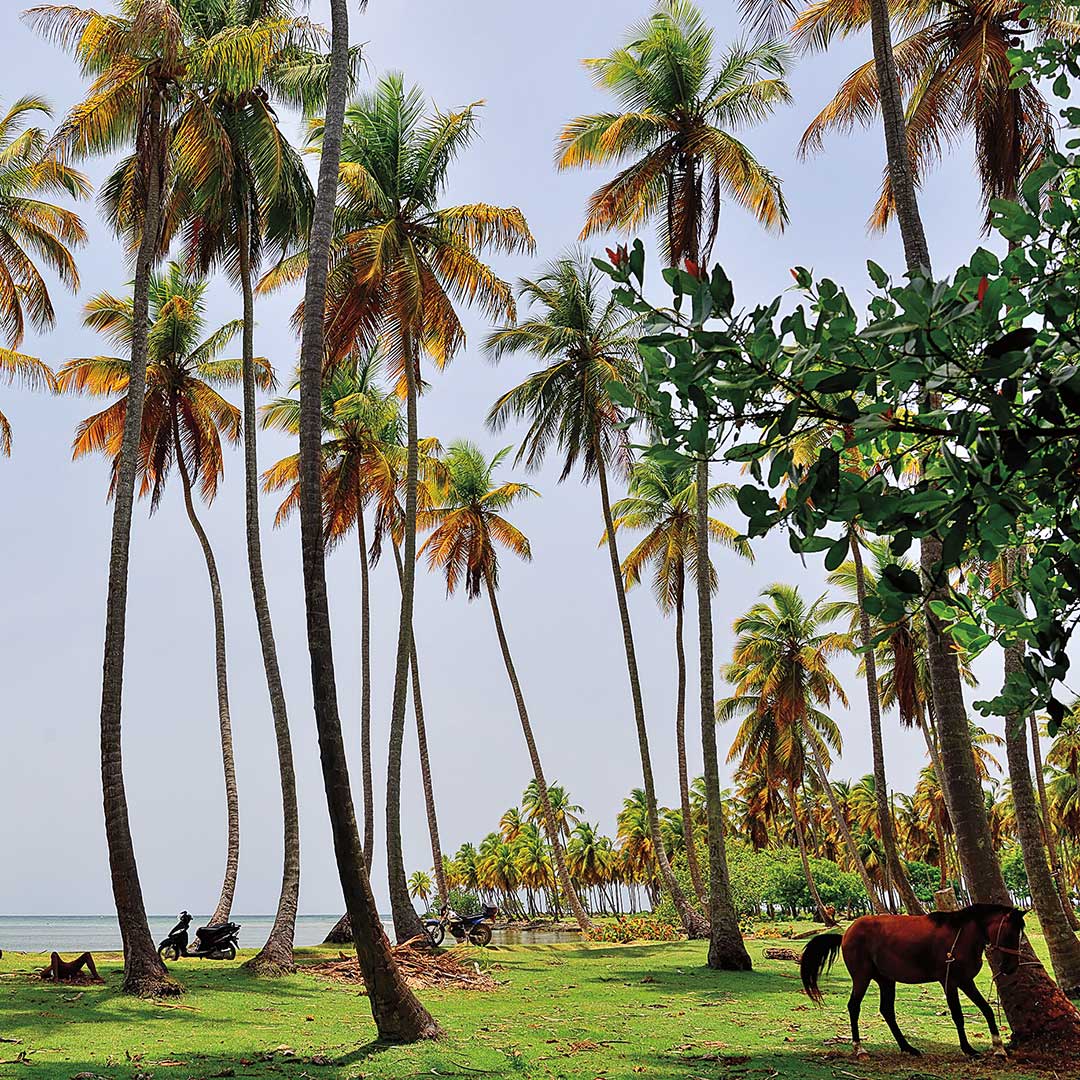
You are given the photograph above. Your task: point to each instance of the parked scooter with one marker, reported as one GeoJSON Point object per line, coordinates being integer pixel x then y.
{"type": "Point", "coordinates": [211, 942]}
{"type": "Point", "coordinates": [475, 928]}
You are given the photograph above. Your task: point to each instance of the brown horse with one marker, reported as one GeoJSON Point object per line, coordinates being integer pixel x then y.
{"type": "Point", "coordinates": [944, 946]}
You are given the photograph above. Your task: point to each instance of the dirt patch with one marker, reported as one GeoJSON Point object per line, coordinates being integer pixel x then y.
{"type": "Point", "coordinates": [424, 969]}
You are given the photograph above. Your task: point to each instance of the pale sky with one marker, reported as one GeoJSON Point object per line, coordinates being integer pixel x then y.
{"type": "Point", "coordinates": [523, 61]}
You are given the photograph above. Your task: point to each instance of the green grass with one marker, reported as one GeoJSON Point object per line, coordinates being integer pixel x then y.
{"type": "Point", "coordinates": [607, 1012]}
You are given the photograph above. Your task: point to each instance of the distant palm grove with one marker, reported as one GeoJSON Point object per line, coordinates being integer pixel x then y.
{"type": "Point", "coordinates": [184, 99]}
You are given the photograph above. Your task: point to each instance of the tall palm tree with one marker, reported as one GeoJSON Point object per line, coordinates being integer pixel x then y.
{"type": "Point", "coordinates": [682, 102]}
{"type": "Point", "coordinates": [565, 812]}
{"type": "Point", "coordinates": [399, 1015]}
{"type": "Point", "coordinates": [586, 343]}
{"type": "Point", "coordinates": [364, 464]}
{"type": "Point", "coordinates": [32, 227]}
{"type": "Point", "coordinates": [1050, 837]}
{"type": "Point", "coordinates": [400, 262]}
{"type": "Point", "coordinates": [661, 501]}
{"type": "Point", "coordinates": [677, 103]}
{"type": "Point", "coordinates": [240, 188]}
{"type": "Point", "coordinates": [183, 421]}
{"type": "Point", "coordinates": [956, 74]}
{"type": "Point", "coordinates": [782, 682]}
{"type": "Point", "coordinates": [420, 886]}
{"type": "Point", "coordinates": [137, 65]}
{"type": "Point", "coordinates": [466, 525]}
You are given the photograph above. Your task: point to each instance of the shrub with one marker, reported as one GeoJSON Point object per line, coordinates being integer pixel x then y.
{"type": "Point", "coordinates": [633, 928]}
{"type": "Point", "coordinates": [464, 903]}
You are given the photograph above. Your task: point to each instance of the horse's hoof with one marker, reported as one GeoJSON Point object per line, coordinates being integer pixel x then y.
{"type": "Point", "coordinates": [860, 1053]}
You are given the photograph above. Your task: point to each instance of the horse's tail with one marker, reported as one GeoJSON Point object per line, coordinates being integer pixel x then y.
{"type": "Point", "coordinates": [818, 956]}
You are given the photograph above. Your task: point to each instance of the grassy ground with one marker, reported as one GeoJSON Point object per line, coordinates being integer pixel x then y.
{"type": "Point", "coordinates": [598, 1013]}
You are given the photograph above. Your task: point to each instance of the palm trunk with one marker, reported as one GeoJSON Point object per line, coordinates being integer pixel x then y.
{"type": "Point", "coordinates": [800, 840]}
{"type": "Point", "coordinates": [680, 747]}
{"type": "Point", "coordinates": [407, 923]}
{"type": "Point", "coordinates": [232, 802]}
{"type": "Point", "coordinates": [398, 1013]}
{"type": "Point", "coordinates": [727, 951]}
{"type": "Point", "coordinates": [1047, 829]}
{"type": "Point", "coordinates": [365, 686]}
{"type": "Point", "coordinates": [1038, 1012]}
{"type": "Point", "coordinates": [881, 792]}
{"type": "Point", "coordinates": [1060, 939]}
{"type": "Point", "coordinates": [694, 924]}
{"type": "Point", "coordinates": [276, 955]}
{"type": "Point", "coordinates": [561, 872]}
{"type": "Point", "coordinates": [425, 763]}
{"type": "Point", "coordinates": [845, 832]}
{"type": "Point", "coordinates": [144, 973]}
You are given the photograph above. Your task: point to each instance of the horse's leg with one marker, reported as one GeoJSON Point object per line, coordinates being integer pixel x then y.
{"type": "Point", "coordinates": [859, 982]}
{"type": "Point", "coordinates": [888, 1013]}
{"type": "Point", "coordinates": [952, 996]}
{"type": "Point", "coordinates": [972, 992]}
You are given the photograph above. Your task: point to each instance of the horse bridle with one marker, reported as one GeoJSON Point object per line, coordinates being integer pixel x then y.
{"type": "Point", "coordinates": [996, 946]}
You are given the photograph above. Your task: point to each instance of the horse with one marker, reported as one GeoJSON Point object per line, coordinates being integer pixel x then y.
{"type": "Point", "coordinates": [943, 946]}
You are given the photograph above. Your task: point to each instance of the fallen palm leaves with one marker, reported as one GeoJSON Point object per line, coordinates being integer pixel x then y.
{"type": "Point", "coordinates": [422, 968]}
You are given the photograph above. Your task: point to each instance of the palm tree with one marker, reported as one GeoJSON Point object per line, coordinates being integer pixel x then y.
{"type": "Point", "coordinates": [400, 262]}
{"type": "Point", "coordinates": [782, 681]}
{"type": "Point", "coordinates": [1050, 837]}
{"type": "Point", "coordinates": [676, 100]}
{"type": "Point", "coordinates": [661, 501]}
{"type": "Point", "coordinates": [420, 886]}
{"type": "Point", "coordinates": [242, 186]}
{"type": "Point", "coordinates": [682, 102]}
{"type": "Point", "coordinates": [955, 72]}
{"type": "Point", "coordinates": [586, 343]}
{"type": "Point", "coordinates": [183, 420]}
{"type": "Point", "coordinates": [636, 841]}
{"type": "Point", "coordinates": [466, 525]}
{"type": "Point", "coordinates": [565, 812]}
{"type": "Point", "coordinates": [50, 232]}
{"type": "Point", "coordinates": [364, 459]}
{"type": "Point", "coordinates": [136, 61]}
{"type": "Point", "coordinates": [399, 1016]}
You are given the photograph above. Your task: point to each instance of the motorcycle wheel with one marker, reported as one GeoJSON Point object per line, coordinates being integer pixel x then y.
{"type": "Point", "coordinates": [480, 935]}
{"type": "Point", "coordinates": [229, 952]}
{"type": "Point", "coordinates": [436, 933]}
{"type": "Point", "coordinates": [168, 952]}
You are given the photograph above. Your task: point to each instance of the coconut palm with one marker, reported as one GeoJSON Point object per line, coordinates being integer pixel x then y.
{"type": "Point", "coordinates": [399, 1016]}
{"type": "Point", "coordinates": [364, 462]}
{"type": "Point", "coordinates": [467, 525]}
{"type": "Point", "coordinates": [239, 188]}
{"type": "Point", "coordinates": [183, 421]}
{"type": "Point", "coordinates": [661, 502]}
{"type": "Point", "coordinates": [956, 75]}
{"type": "Point", "coordinates": [636, 843]}
{"type": "Point", "coordinates": [782, 681]}
{"type": "Point", "coordinates": [420, 886]}
{"type": "Point", "coordinates": [32, 228]}
{"type": "Point", "coordinates": [566, 813]}
{"type": "Point", "coordinates": [137, 63]}
{"type": "Point", "coordinates": [682, 103]}
{"type": "Point", "coordinates": [586, 343]}
{"type": "Point", "coordinates": [401, 262]}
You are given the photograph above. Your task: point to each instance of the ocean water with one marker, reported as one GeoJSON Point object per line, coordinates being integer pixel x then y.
{"type": "Point", "coordinates": [101, 933]}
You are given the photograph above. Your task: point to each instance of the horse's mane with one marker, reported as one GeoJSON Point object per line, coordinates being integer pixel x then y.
{"type": "Point", "coordinates": [971, 913]}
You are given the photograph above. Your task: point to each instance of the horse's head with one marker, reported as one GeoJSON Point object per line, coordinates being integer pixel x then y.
{"type": "Point", "coordinates": [1003, 936]}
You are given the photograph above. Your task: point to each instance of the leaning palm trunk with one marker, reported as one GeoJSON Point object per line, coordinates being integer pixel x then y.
{"type": "Point", "coordinates": [845, 832]}
{"type": "Point", "coordinates": [680, 747]}
{"type": "Point", "coordinates": [727, 951]}
{"type": "Point", "coordinates": [1047, 829]}
{"type": "Point", "coordinates": [693, 922]}
{"type": "Point", "coordinates": [562, 874]}
{"type": "Point", "coordinates": [276, 955]}
{"type": "Point", "coordinates": [365, 685]}
{"type": "Point", "coordinates": [800, 840]}
{"type": "Point", "coordinates": [407, 924]}
{"type": "Point", "coordinates": [232, 802]}
{"type": "Point", "coordinates": [881, 792]}
{"type": "Point", "coordinates": [399, 1015]}
{"type": "Point", "coordinates": [425, 764]}
{"type": "Point", "coordinates": [1060, 940]}
{"type": "Point", "coordinates": [144, 973]}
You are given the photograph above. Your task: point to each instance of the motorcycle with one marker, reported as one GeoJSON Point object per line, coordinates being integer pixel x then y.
{"type": "Point", "coordinates": [474, 928]}
{"type": "Point", "coordinates": [218, 942]}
